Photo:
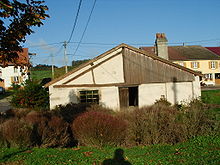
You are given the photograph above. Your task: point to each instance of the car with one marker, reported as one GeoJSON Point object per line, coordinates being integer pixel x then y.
{"type": "Point", "coordinates": [2, 90]}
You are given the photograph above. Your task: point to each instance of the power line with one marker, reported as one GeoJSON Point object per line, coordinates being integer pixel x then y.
{"type": "Point", "coordinates": [57, 53]}
{"type": "Point", "coordinates": [43, 45]}
{"type": "Point", "coordinates": [75, 22]}
{"type": "Point", "coordinates": [112, 44]}
{"type": "Point", "coordinates": [85, 27]}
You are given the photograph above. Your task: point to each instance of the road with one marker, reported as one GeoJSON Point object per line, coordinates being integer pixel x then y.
{"type": "Point", "coordinates": [4, 104]}
{"type": "Point", "coordinates": [206, 88]}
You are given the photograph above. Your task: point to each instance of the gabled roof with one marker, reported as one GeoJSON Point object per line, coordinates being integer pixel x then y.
{"type": "Point", "coordinates": [186, 53]}
{"type": "Point", "coordinates": [115, 49]}
{"type": "Point", "coordinates": [215, 50]}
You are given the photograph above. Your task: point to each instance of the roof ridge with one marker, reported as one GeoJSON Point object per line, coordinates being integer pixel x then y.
{"type": "Point", "coordinates": [122, 45]}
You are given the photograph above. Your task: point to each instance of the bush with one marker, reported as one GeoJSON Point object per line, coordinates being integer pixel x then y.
{"type": "Point", "coordinates": [162, 123]}
{"type": "Point", "coordinates": [70, 111]}
{"type": "Point", "coordinates": [16, 133]}
{"type": "Point", "coordinates": [197, 120]}
{"type": "Point", "coordinates": [32, 95]}
{"type": "Point", "coordinates": [99, 129]}
{"type": "Point", "coordinates": [56, 133]}
{"type": "Point", "coordinates": [162, 102]}
{"type": "Point", "coordinates": [49, 130]}
{"type": "Point", "coordinates": [153, 125]}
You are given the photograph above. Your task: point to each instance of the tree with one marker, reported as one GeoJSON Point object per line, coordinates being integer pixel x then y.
{"type": "Point", "coordinates": [16, 23]}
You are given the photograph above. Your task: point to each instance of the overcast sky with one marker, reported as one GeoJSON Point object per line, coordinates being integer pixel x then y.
{"type": "Point", "coordinates": [134, 22]}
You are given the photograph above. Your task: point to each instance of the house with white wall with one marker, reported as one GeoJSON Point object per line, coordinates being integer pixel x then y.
{"type": "Point", "coordinates": [16, 74]}
{"type": "Point", "coordinates": [125, 77]}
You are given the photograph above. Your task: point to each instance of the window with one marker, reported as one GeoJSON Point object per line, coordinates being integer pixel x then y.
{"type": "Point", "coordinates": [208, 76]}
{"type": "Point", "coordinates": [15, 79]}
{"type": "Point", "coordinates": [15, 70]}
{"type": "Point", "coordinates": [182, 64]}
{"type": "Point", "coordinates": [194, 65]}
{"type": "Point", "coordinates": [213, 65]}
{"type": "Point", "coordinates": [89, 96]}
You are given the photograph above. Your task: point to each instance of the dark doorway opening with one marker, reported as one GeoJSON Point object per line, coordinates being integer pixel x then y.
{"type": "Point", "coordinates": [133, 96]}
{"type": "Point", "coordinates": [128, 96]}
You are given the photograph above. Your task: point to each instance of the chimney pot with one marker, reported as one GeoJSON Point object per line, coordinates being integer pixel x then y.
{"type": "Point", "coordinates": [161, 45]}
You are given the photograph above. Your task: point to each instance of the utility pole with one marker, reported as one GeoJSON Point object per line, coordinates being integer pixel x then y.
{"type": "Point", "coordinates": [52, 61]}
{"type": "Point", "coordinates": [65, 56]}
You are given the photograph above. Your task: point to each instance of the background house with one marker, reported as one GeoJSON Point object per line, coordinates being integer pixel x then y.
{"type": "Point", "coordinates": [215, 50]}
{"type": "Point", "coordinates": [125, 76]}
{"type": "Point", "coordinates": [197, 58]}
{"type": "Point", "coordinates": [15, 74]}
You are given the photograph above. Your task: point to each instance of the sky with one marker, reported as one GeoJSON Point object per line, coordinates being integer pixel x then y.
{"type": "Point", "coordinates": [134, 22]}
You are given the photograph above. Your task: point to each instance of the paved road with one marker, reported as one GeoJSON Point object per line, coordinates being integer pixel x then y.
{"type": "Point", "coordinates": [4, 104]}
{"type": "Point", "coordinates": [206, 88]}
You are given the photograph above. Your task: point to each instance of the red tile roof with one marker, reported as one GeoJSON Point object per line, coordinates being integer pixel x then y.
{"type": "Point", "coordinates": [216, 50]}
{"type": "Point", "coordinates": [23, 58]}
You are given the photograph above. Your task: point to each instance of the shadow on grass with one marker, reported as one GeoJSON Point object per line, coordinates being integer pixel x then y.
{"type": "Point", "coordinates": [8, 156]}
{"type": "Point", "coordinates": [118, 159]}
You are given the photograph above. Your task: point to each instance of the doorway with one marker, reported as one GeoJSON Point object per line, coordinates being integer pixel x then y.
{"type": "Point", "coordinates": [128, 96]}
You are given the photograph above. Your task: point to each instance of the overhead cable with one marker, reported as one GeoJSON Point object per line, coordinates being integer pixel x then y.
{"type": "Point", "coordinates": [87, 23]}
{"type": "Point", "coordinates": [75, 22]}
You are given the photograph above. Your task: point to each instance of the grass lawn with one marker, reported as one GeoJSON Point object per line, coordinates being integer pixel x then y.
{"type": "Point", "coordinates": [38, 75]}
{"type": "Point", "coordinates": [200, 150]}
{"type": "Point", "coordinates": [211, 97]}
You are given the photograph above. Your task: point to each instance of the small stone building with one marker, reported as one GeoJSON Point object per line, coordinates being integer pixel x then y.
{"type": "Point", "coordinates": [125, 76]}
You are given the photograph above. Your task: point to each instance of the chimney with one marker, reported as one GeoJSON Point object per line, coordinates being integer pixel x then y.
{"type": "Point", "coordinates": [161, 45]}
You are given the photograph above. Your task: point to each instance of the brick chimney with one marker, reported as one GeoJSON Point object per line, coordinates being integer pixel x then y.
{"type": "Point", "coordinates": [161, 45]}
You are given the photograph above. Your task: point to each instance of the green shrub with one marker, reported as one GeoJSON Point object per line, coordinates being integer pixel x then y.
{"type": "Point", "coordinates": [99, 129]}
{"type": "Point", "coordinates": [32, 95]}
{"type": "Point", "coordinates": [15, 86]}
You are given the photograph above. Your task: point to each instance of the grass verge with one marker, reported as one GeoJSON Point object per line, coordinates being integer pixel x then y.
{"type": "Point", "coordinates": [199, 150]}
{"type": "Point", "coordinates": [211, 97]}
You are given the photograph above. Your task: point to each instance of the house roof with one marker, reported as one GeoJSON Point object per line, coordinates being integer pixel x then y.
{"type": "Point", "coordinates": [119, 47]}
{"type": "Point", "coordinates": [23, 58]}
{"type": "Point", "coordinates": [186, 53]}
{"type": "Point", "coordinates": [215, 50]}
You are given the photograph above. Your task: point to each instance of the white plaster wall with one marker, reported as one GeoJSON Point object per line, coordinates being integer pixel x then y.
{"type": "Point", "coordinates": [62, 96]}
{"type": "Point", "coordinates": [182, 92]}
{"type": "Point", "coordinates": [84, 79]}
{"type": "Point", "coordinates": [109, 96]}
{"type": "Point", "coordinates": [110, 72]}
{"type": "Point", "coordinates": [87, 67]}
{"type": "Point", "coordinates": [8, 72]}
{"type": "Point", "coordinates": [179, 92]}
{"type": "Point", "coordinates": [197, 87]}
{"type": "Point", "coordinates": [148, 93]}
